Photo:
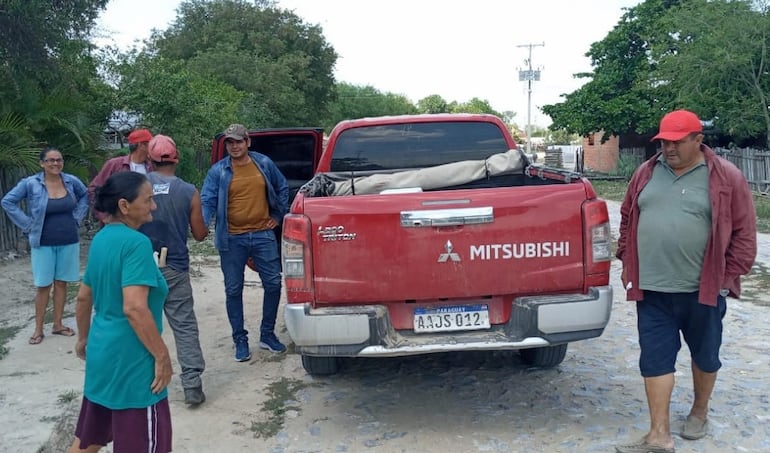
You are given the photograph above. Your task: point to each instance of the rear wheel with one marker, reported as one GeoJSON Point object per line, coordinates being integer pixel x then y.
{"type": "Point", "coordinates": [320, 366]}
{"type": "Point", "coordinates": [545, 357]}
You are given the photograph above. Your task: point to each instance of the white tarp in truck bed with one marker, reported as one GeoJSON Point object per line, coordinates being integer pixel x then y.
{"type": "Point", "coordinates": [447, 175]}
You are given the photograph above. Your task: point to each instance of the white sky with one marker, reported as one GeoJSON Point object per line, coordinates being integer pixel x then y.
{"type": "Point", "coordinates": [458, 50]}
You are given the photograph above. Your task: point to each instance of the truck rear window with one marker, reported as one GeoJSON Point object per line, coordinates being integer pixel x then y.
{"type": "Point", "coordinates": [415, 145]}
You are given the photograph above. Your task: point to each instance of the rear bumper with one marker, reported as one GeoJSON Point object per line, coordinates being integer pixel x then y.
{"type": "Point", "coordinates": [366, 330]}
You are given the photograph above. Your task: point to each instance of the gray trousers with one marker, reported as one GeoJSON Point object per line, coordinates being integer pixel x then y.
{"type": "Point", "coordinates": [181, 317]}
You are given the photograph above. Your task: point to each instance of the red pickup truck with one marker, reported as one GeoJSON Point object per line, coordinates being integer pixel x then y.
{"type": "Point", "coordinates": [431, 233]}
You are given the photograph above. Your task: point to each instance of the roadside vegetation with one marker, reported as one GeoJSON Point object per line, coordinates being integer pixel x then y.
{"type": "Point", "coordinates": [6, 333]}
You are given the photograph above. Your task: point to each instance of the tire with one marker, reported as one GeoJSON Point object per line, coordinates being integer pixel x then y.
{"type": "Point", "coordinates": [545, 357]}
{"type": "Point", "coordinates": [320, 366]}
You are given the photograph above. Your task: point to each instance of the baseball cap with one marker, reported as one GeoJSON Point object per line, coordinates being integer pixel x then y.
{"type": "Point", "coordinates": [236, 132]}
{"type": "Point", "coordinates": [677, 125]}
{"type": "Point", "coordinates": [139, 136]}
{"type": "Point", "coordinates": [163, 149]}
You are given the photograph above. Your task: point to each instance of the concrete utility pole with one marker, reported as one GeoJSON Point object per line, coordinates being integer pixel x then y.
{"type": "Point", "coordinates": [529, 75]}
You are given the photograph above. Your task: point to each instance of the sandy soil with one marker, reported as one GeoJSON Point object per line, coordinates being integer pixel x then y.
{"type": "Point", "coordinates": [480, 402]}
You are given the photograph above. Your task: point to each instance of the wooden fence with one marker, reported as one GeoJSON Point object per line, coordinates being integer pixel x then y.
{"type": "Point", "coordinates": [11, 238]}
{"type": "Point", "coordinates": [754, 163]}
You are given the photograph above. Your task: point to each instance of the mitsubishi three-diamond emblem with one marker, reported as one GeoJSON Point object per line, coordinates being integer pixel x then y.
{"type": "Point", "coordinates": [449, 255]}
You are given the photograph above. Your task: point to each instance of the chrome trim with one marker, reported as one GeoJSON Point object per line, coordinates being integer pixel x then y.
{"type": "Point", "coordinates": [447, 217]}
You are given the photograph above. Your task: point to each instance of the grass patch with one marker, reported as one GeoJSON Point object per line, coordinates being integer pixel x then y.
{"type": "Point", "coordinates": [611, 189]}
{"type": "Point", "coordinates": [281, 399]}
{"type": "Point", "coordinates": [204, 248]}
{"type": "Point", "coordinates": [68, 396]}
{"type": "Point", "coordinates": [6, 333]}
{"type": "Point", "coordinates": [762, 205]}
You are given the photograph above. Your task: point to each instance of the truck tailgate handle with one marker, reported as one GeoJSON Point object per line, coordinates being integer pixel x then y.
{"type": "Point", "coordinates": [447, 217]}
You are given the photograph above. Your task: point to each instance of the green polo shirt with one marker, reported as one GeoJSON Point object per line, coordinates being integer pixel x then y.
{"type": "Point", "coordinates": [674, 227]}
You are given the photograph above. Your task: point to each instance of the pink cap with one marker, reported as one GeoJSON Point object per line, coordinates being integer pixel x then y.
{"type": "Point", "coordinates": [163, 149]}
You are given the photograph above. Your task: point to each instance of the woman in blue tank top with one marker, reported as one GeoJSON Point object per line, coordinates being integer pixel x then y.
{"type": "Point", "coordinates": [56, 204]}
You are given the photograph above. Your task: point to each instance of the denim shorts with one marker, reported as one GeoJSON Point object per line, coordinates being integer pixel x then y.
{"type": "Point", "coordinates": [55, 262]}
{"type": "Point", "coordinates": [660, 318]}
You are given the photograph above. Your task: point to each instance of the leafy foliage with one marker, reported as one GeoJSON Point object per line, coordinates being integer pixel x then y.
{"type": "Point", "coordinates": [352, 101]}
{"type": "Point", "coordinates": [709, 56]}
{"type": "Point", "coordinates": [50, 93]}
{"type": "Point", "coordinates": [284, 65]}
{"type": "Point", "coordinates": [724, 47]}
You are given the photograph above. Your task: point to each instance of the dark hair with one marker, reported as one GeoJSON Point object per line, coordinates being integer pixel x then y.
{"type": "Point", "coordinates": [47, 150]}
{"type": "Point", "coordinates": [124, 184]}
{"type": "Point", "coordinates": [132, 147]}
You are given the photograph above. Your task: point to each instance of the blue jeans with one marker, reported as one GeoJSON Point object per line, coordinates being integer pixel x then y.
{"type": "Point", "coordinates": [262, 248]}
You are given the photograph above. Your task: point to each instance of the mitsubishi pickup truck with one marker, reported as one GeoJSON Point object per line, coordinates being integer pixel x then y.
{"type": "Point", "coordinates": [423, 234]}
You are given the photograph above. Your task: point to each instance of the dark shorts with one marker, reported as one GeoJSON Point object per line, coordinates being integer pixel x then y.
{"type": "Point", "coordinates": [660, 318]}
{"type": "Point", "coordinates": [131, 430]}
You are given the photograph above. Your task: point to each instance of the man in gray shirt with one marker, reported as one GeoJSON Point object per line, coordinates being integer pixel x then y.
{"type": "Point", "coordinates": [178, 212]}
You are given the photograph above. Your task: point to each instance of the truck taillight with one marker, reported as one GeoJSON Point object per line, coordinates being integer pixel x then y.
{"type": "Point", "coordinates": [601, 242]}
{"type": "Point", "coordinates": [598, 243]}
{"type": "Point", "coordinates": [293, 259]}
{"type": "Point", "coordinates": [297, 259]}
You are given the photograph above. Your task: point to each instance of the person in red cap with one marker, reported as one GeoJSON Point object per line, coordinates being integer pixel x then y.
{"type": "Point", "coordinates": [135, 160]}
{"type": "Point", "coordinates": [178, 212]}
{"type": "Point", "coordinates": [687, 234]}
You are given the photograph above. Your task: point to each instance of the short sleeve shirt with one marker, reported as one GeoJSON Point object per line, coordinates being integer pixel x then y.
{"type": "Point", "coordinates": [674, 227]}
{"type": "Point", "coordinates": [119, 369]}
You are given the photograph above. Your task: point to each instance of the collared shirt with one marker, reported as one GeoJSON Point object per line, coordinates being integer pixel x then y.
{"type": "Point", "coordinates": [112, 166]}
{"type": "Point", "coordinates": [732, 243]}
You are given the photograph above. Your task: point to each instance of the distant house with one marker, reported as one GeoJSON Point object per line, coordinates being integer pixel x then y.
{"type": "Point", "coordinates": [119, 124]}
{"type": "Point", "coordinates": [601, 157]}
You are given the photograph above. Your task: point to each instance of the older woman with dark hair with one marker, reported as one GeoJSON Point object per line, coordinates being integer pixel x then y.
{"type": "Point", "coordinates": [56, 203]}
{"type": "Point", "coordinates": [127, 364]}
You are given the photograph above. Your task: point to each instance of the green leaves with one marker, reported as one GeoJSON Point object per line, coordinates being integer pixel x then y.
{"type": "Point", "coordinates": [710, 56]}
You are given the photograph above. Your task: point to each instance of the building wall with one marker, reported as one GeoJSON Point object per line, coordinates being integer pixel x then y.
{"type": "Point", "coordinates": [598, 156]}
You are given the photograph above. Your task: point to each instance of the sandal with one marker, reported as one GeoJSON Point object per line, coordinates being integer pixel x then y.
{"type": "Point", "coordinates": [36, 339]}
{"type": "Point", "coordinates": [65, 331]}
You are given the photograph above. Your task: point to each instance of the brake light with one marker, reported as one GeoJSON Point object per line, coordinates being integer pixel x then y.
{"type": "Point", "coordinates": [597, 242]}
{"type": "Point", "coordinates": [297, 258]}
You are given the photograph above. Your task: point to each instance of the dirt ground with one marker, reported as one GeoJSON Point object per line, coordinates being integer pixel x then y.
{"type": "Point", "coordinates": [472, 402]}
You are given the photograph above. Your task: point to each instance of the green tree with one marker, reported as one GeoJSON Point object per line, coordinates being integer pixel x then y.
{"type": "Point", "coordinates": [50, 91]}
{"type": "Point", "coordinates": [354, 101]}
{"type": "Point", "coordinates": [282, 64]}
{"type": "Point", "coordinates": [432, 104]}
{"type": "Point", "coordinates": [621, 96]}
{"type": "Point", "coordinates": [715, 62]}
{"type": "Point", "coordinates": [180, 103]}
{"type": "Point", "coordinates": [476, 105]}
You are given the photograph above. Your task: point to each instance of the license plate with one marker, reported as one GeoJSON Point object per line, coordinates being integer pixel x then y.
{"type": "Point", "coordinates": [447, 319]}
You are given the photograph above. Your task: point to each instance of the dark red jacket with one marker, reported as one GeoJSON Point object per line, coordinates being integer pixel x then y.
{"type": "Point", "coordinates": [732, 245]}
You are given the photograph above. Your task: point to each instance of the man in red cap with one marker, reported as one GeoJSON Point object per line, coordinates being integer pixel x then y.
{"type": "Point", "coordinates": [135, 160]}
{"type": "Point", "coordinates": [687, 234]}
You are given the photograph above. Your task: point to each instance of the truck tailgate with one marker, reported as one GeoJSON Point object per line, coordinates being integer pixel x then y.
{"type": "Point", "coordinates": [448, 244]}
